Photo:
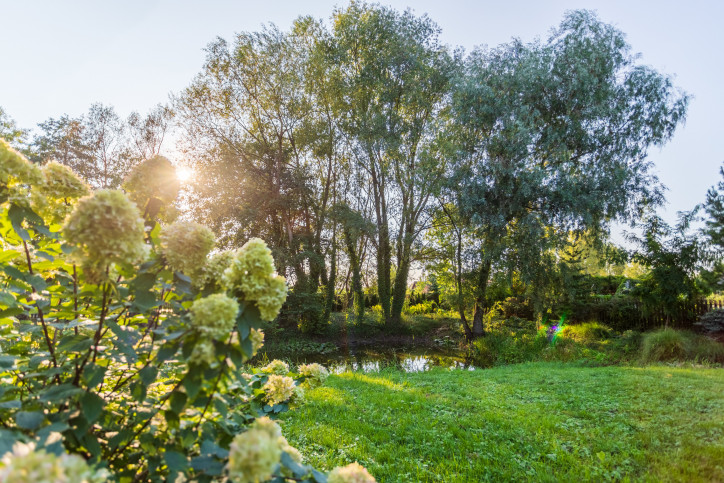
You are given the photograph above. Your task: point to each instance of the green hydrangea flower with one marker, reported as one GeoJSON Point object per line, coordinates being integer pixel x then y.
{"type": "Point", "coordinates": [185, 245]}
{"type": "Point", "coordinates": [26, 464]}
{"type": "Point", "coordinates": [278, 389]}
{"type": "Point", "coordinates": [352, 473]}
{"type": "Point", "coordinates": [257, 341]}
{"type": "Point", "coordinates": [253, 455]}
{"type": "Point", "coordinates": [203, 354]}
{"type": "Point", "coordinates": [55, 196]}
{"type": "Point", "coordinates": [214, 315]}
{"type": "Point", "coordinates": [276, 367]}
{"type": "Point", "coordinates": [252, 273]}
{"type": "Point", "coordinates": [316, 374]}
{"type": "Point", "coordinates": [17, 174]}
{"type": "Point", "coordinates": [211, 275]}
{"type": "Point", "coordinates": [105, 228]}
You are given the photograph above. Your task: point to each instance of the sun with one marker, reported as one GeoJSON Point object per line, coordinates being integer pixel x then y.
{"type": "Point", "coordinates": [184, 173]}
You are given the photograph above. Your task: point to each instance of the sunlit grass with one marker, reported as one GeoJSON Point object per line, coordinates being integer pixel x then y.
{"type": "Point", "coordinates": [539, 422]}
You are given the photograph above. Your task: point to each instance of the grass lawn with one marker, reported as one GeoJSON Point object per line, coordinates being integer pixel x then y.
{"type": "Point", "coordinates": [538, 422]}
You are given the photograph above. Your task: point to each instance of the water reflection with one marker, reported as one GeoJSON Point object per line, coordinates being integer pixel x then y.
{"type": "Point", "coordinates": [370, 360]}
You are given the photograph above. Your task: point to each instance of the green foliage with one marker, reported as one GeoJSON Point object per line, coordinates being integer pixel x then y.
{"type": "Point", "coordinates": [528, 422]}
{"type": "Point", "coordinates": [586, 332]}
{"type": "Point", "coordinates": [677, 345]}
{"type": "Point", "coordinates": [712, 321]}
{"type": "Point", "coordinates": [552, 138]}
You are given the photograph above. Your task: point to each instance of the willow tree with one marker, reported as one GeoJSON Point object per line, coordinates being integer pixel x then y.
{"type": "Point", "coordinates": [553, 138]}
{"type": "Point", "coordinates": [393, 76]}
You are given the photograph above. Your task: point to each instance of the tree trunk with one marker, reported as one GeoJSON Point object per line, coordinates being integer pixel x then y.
{"type": "Point", "coordinates": [478, 330]}
{"type": "Point", "coordinates": [400, 289]}
{"type": "Point", "coordinates": [330, 285]}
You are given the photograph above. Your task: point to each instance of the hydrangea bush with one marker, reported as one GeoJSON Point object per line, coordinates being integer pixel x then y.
{"type": "Point", "coordinates": [113, 364]}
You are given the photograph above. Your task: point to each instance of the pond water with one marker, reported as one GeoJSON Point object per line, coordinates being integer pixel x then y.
{"type": "Point", "coordinates": [375, 359]}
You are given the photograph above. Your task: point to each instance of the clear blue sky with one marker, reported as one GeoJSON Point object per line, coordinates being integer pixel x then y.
{"type": "Point", "coordinates": [59, 57]}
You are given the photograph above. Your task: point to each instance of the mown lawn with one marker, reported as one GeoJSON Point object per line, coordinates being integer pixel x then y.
{"type": "Point", "coordinates": [535, 422]}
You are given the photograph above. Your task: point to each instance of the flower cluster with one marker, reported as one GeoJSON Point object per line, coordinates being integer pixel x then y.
{"type": "Point", "coordinates": [26, 464]}
{"type": "Point", "coordinates": [55, 196]}
{"type": "Point", "coordinates": [186, 245]}
{"type": "Point", "coordinates": [214, 315]}
{"type": "Point", "coordinates": [154, 178]}
{"type": "Point", "coordinates": [252, 273]}
{"type": "Point", "coordinates": [316, 374]}
{"type": "Point", "coordinates": [203, 353]}
{"type": "Point", "coordinates": [105, 228]}
{"type": "Point", "coordinates": [254, 454]}
{"type": "Point", "coordinates": [276, 367]}
{"type": "Point", "coordinates": [257, 340]}
{"type": "Point", "coordinates": [279, 389]}
{"type": "Point", "coordinates": [16, 173]}
{"type": "Point", "coordinates": [352, 473]}
{"type": "Point", "coordinates": [211, 275]}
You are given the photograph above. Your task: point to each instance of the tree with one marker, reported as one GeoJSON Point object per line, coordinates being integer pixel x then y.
{"type": "Point", "coordinates": [10, 132]}
{"type": "Point", "coordinates": [93, 145]}
{"type": "Point", "coordinates": [552, 139]}
{"type": "Point", "coordinates": [392, 75]}
{"type": "Point", "coordinates": [148, 133]}
{"type": "Point", "coordinates": [674, 257]}
{"type": "Point", "coordinates": [258, 125]}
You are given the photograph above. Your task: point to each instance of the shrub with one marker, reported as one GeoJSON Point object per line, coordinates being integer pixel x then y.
{"type": "Point", "coordinates": [712, 321]}
{"type": "Point", "coordinates": [120, 362]}
{"type": "Point", "coordinates": [678, 345]}
{"type": "Point", "coordinates": [587, 332]}
{"type": "Point", "coordinates": [665, 345]}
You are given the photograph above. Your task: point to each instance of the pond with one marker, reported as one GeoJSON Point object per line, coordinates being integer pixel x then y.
{"type": "Point", "coordinates": [373, 359]}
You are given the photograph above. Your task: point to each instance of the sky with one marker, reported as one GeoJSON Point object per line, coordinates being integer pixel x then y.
{"type": "Point", "coordinates": [60, 57]}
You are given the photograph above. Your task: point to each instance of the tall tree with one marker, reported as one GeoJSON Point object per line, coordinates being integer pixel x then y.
{"type": "Point", "coordinates": [553, 138]}
{"type": "Point", "coordinates": [258, 123]}
{"type": "Point", "coordinates": [393, 75]}
{"type": "Point", "coordinates": [147, 133]}
{"type": "Point", "coordinates": [94, 145]}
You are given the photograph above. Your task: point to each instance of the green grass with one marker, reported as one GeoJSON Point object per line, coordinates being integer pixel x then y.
{"type": "Point", "coordinates": [528, 422]}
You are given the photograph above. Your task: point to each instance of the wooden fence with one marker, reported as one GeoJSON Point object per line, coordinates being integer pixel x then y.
{"type": "Point", "coordinates": [635, 315]}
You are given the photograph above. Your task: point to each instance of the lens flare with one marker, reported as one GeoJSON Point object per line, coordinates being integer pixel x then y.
{"type": "Point", "coordinates": [184, 173]}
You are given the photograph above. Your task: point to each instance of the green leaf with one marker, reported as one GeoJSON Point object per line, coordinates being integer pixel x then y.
{"type": "Point", "coordinates": [318, 476]}
{"type": "Point", "coordinates": [29, 420]}
{"type": "Point", "coordinates": [176, 461]}
{"type": "Point", "coordinates": [177, 401]}
{"type": "Point", "coordinates": [148, 375]}
{"type": "Point", "coordinates": [297, 469]}
{"type": "Point", "coordinates": [7, 362]}
{"type": "Point", "coordinates": [93, 375]}
{"type": "Point", "coordinates": [138, 391]}
{"type": "Point", "coordinates": [59, 393]}
{"type": "Point", "coordinates": [167, 351]}
{"type": "Point", "coordinates": [7, 440]}
{"type": "Point", "coordinates": [37, 282]}
{"type": "Point", "coordinates": [45, 255]}
{"type": "Point", "coordinates": [92, 406]}
{"type": "Point", "coordinates": [192, 382]}
{"type": "Point", "coordinates": [16, 215]}
{"type": "Point", "coordinates": [208, 465]}
{"type": "Point", "coordinates": [11, 312]}
{"type": "Point", "coordinates": [75, 343]}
